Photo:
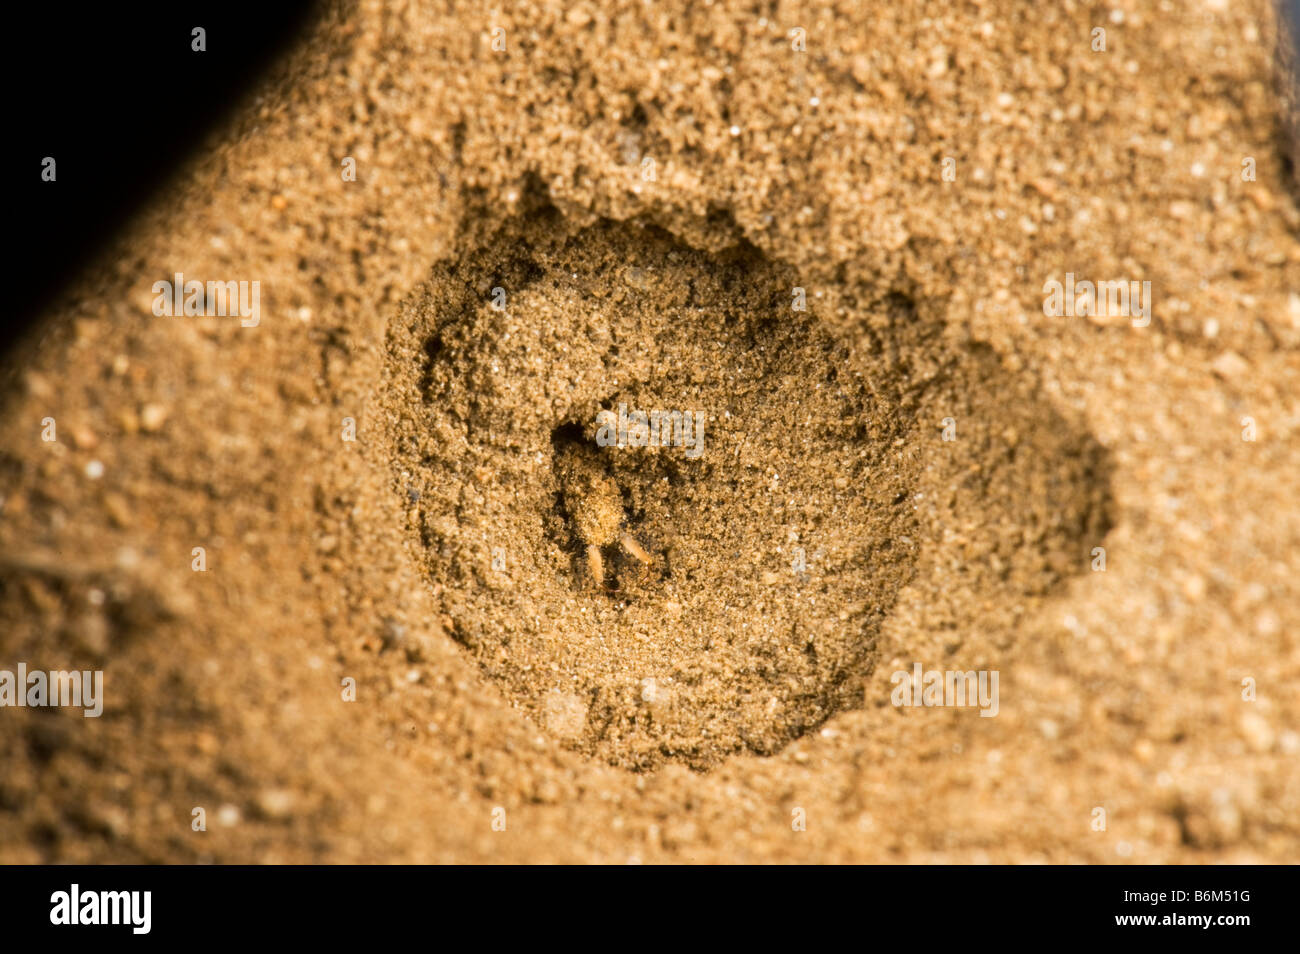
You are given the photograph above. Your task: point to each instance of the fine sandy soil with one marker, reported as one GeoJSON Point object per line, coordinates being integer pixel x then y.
{"type": "Point", "coordinates": [364, 586]}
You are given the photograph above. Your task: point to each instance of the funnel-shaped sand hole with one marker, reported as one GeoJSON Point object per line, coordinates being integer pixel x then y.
{"type": "Point", "coordinates": [770, 492]}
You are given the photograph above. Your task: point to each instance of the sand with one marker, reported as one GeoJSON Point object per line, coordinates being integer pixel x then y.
{"type": "Point", "coordinates": [337, 565]}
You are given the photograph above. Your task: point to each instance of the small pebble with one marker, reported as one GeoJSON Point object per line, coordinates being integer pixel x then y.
{"type": "Point", "coordinates": [152, 417]}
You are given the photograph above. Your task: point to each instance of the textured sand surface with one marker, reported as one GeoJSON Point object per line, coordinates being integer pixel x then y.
{"type": "Point", "coordinates": [648, 185]}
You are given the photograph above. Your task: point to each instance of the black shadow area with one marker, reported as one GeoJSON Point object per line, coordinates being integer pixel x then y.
{"type": "Point", "coordinates": [116, 94]}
